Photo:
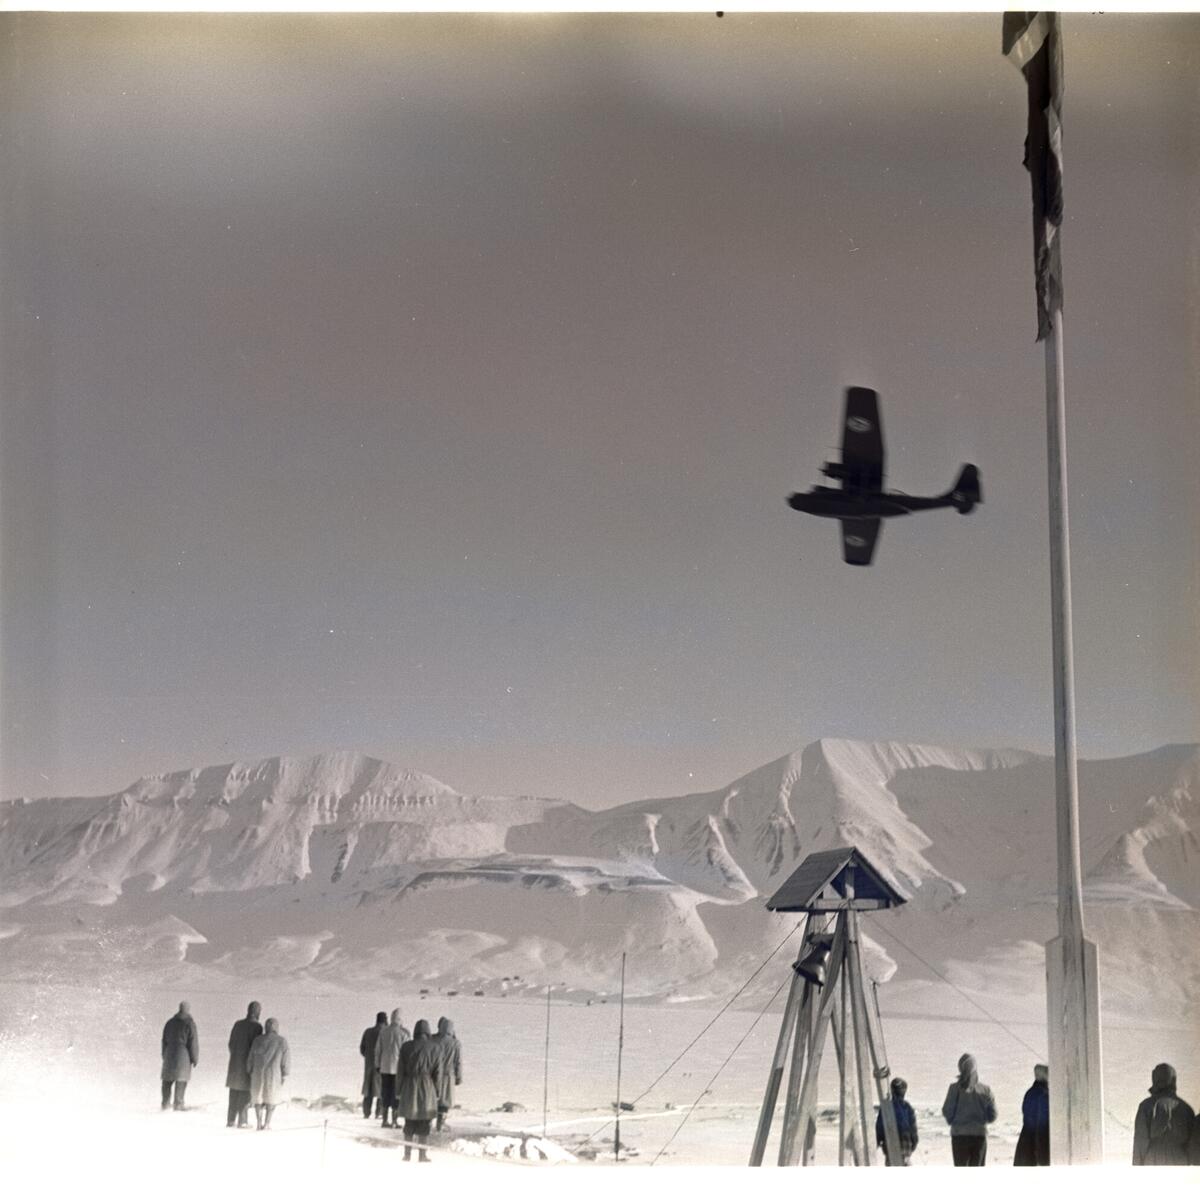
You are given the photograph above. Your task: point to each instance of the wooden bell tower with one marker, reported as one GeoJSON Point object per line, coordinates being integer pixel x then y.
{"type": "Point", "coordinates": [827, 992]}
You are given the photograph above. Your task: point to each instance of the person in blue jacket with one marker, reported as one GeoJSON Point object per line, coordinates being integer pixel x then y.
{"type": "Point", "coordinates": [1033, 1146]}
{"type": "Point", "coordinates": [906, 1125]}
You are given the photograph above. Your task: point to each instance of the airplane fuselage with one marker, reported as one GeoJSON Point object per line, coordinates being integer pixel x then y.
{"type": "Point", "coordinates": [853, 503]}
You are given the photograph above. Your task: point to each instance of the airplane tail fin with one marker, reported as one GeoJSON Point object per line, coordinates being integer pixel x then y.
{"type": "Point", "coordinates": [966, 493]}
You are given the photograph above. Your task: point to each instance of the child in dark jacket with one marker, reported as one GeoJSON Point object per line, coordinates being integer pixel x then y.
{"type": "Point", "coordinates": [906, 1125]}
{"type": "Point", "coordinates": [1033, 1146]}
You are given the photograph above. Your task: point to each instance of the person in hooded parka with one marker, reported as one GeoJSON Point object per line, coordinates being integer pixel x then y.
{"type": "Point", "coordinates": [1033, 1146]}
{"type": "Point", "coordinates": [270, 1064]}
{"type": "Point", "coordinates": [906, 1125]}
{"type": "Point", "coordinates": [969, 1109]}
{"type": "Point", "coordinates": [372, 1086]}
{"type": "Point", "coordinates": [180, 1053]}
{"type": "Point", "coordinates": [1163, 1125]}
{"type": "Point", "coordinates": [420, 1069]}
{"type": "Point", "coordinates": [237, 1077]}
{"type": "Point", "coordinates": [450, 1075]}
{"type": "Point", "coordinates": [387, 1061]}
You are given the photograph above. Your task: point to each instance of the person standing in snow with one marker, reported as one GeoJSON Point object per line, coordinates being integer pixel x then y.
{"type": "Point", "coordinates": [371, 1087]}
{"type": "Point", "coordinates": [450, 1075]}
{"type": "Point", "coordinates": [387, 1062]}
{"type": "Point", "coordinates": [180, 1053]}
{"type": "Point", "coordinates": [1033, 1146]}
{"type": "Point", "coordinates": [270, 1063]}
{"type": "Point", "coordinates": [237, 1077]}
{"type": "Point", "coordinates": [1163, 1125]}
{"type": "Point", "coordinates": [906, 1125]}
{"type": "Point", "coordinates": [420, 1070]}
{"type": "Point", "coordinates": [969, 1109]}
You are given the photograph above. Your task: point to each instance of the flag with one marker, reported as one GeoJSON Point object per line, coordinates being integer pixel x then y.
{"type": "Point", "coordinates": [1031, 44]}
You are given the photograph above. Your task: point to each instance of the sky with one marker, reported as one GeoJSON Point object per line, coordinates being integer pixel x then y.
{"type": "Point", "coordinates": [432, 386]}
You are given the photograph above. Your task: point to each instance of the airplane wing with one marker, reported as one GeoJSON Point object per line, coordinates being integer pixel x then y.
{"type": "Point", "coordinates": [862, 440]}
{"type": "Point", "coordinates": [858, 539]}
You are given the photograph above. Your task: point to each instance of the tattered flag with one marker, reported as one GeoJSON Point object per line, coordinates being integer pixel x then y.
{"type": "Point", "coordinates": [1031, 43]}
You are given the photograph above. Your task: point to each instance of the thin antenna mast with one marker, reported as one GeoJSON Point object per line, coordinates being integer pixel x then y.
{"type": "Point", "coordinates": [546, 1066]}
{"type": "Point", "coordinates": [620, 1052]}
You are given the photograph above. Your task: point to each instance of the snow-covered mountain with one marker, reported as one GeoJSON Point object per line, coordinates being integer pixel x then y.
{"type": "Point", "coordinates": [341, 868]}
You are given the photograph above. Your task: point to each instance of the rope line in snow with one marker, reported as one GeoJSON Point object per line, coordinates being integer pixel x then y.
{"type": "Point", "coordinates": [675, 1061]}
{"type": "Point", "coordinates": [708, 1086]}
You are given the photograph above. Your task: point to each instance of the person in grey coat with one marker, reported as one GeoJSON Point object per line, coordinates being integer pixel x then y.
{"type": "Point", "coordinates": [450, 1075]}
{"type": "Point", "coordinates": [1163, 1125]}
{"type": "Point", "coordinates": [969, 1109]}
{"type": "Point", "coordinates": [420, 1068]}
{"type": "Point", "coordinates": [270, 1063]}
{"type": "Point", "coordinates": [180, 1053]}
{"type": "Point", "coordinates": [372, 1088]}
{"type": "Point", "coordinates": [237, 1077]}
{"type": "Point", "coordinates": [387, 1061]}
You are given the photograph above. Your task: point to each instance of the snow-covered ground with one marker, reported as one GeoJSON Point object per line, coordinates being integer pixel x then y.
{"type": "Point", "coordinates": [87, 1058]}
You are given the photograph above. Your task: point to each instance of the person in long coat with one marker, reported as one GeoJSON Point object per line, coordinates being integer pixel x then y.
{"type": "Point", "coordinates": [969, 1108]}
{"type": "Point", "coordinates": [270, 1064]}
{"type": "Point", "coordinates": [387, 1061]}
{"type": "Point", "coordinates": [1163, 1125]}
{"type": "Point", "coordinates": [906, 1125]}
{"type": "Point", "coordinates": [450, 1075]}
{"type": "Point", "coordinates": [372, 1089]}
{"type": "Point", "coordinates": [1033, 1146]}
{"type": "Point", "coordinates": [180, 1053]}
{"type": "Point", "coordinates": [420, 1069]}
{"type": "Point", "coordinates": [237, 1077]}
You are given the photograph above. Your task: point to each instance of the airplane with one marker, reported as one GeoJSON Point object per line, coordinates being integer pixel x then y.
{"type": "Point", "coordinates": [861, 503]}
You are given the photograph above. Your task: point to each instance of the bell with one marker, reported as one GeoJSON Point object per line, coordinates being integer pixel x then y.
{"type": "Point", "coordinates": [812, 965]}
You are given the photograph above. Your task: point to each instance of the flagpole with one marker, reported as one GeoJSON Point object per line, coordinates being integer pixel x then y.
{"type": "Point", "coordinates": [1072, 981]}
{"type": "Point", "coordinates": [1030, 41]}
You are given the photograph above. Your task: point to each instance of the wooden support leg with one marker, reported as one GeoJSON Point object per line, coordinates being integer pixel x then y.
{"type": "Point", "coordinates": [880, 1071]}
{"type": "Point", "coordinates": [858, 1006]}
{"type": "Point", "coordinates": [800, 1048]}
{"type": "Point", "coordinates": [808, 1092]}
{"type": "Point", "coordinates": [786, 1031]}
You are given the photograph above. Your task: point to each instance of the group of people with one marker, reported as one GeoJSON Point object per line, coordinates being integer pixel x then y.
{"type": "Point", "coordinates": [259, 1062]}
{"type": "Point", "coordinates": [411, 1075]}
{"type": "Point", "coordinates": [404, 1074]}
{"type": "Point", "coordinates": [1166, 1132]}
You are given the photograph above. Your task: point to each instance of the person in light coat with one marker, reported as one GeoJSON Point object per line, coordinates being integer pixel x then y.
{"type": "Point", "coordinates": [372, 1089]}
{"type": "Point", "coordinates": [450, 1076]}
{"type": "Point", "coordinates": [270, 1063]}
{"type": "Point", "coordinates": [180, 1053]}
{"type": "Point", "coordinates": [1163, 1125]}
{"type": "Point", "coordinates": [387, 1062]}
{"type": "Point", "coordinates": [969, 1109]}
{"type": "Point", "coordinates": [421, 1062]}
{"type": "Point", "coordinates": [237, 1077]}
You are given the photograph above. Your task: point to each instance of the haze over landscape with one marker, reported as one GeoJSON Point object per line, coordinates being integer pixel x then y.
{"type": "Point", "coordinates": [430, 387]}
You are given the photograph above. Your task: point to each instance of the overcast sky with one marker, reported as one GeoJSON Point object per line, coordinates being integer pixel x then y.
{"type": "Point", "coordinates": [431, 386]}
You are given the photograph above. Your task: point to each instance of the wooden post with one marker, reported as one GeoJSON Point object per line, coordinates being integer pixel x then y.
{"type": "Point", "coordinates": [858, 1004]}
{"type": "Point", "coordinates": [1072, 982]}
{"type": "Point", "coordinates": [800, 1042]}
{"type": "Point", "coordinates": [808, 1092]}
{"type": "Point", "coordinates": [786, 1030]}
{"type": "Point", "coordinates": [879, 1069]}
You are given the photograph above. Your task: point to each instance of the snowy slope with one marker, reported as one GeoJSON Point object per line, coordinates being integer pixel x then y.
{"type": "Point", "coordinates": [343, 868]}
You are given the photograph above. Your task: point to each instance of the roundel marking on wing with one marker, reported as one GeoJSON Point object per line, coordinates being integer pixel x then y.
{"type": "Point", "coordinates": [852, 539]}
{"type": "Point", "coordinates": [859, 424]}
